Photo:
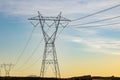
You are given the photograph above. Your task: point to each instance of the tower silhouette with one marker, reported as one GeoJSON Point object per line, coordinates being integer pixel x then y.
{"type": "Point", "coordinates": [7, 68]}
{"type": "Point", "coordinates": [50, 55]}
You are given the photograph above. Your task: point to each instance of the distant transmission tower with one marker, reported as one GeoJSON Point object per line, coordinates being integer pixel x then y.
{"type": "Point", "coordinates": [49, 55]}
{"type": "Point", "coordinates": [7, 68]}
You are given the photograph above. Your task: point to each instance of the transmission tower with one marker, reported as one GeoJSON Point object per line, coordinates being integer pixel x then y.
{"type": "Point", "coordinates": [7, 68]}
{"type": "Point", "coordinates": [49, 55]}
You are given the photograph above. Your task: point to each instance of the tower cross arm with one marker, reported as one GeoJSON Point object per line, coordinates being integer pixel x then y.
{"type": "Point", "coordinates": [49, 18]}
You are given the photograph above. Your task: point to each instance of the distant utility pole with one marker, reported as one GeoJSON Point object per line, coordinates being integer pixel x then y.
{"type": "Point", "coordinates": [50, 55]}
{"type": "Point", "coordinates": [7, 68]}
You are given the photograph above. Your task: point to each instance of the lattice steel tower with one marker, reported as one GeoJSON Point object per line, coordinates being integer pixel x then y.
{"type": "Point", "coordinates": [7, 68]}
{"type": "Point", "coordinates": [49, 55]}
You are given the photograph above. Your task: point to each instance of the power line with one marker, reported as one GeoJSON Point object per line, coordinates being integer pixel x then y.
{"type": "Point", "coordinates": [19, 57]}
{"type": "Point", "coordinates": [25, 46]}
{"type": "Point", "coordinates": [64, 26]}
{"type": "Point", "coordinates": [33, 52]}
{"type": "Point", "coordinates": [28, 59]}
{"type": "Point", "coordinates": [35, 48]}
{"type": "Point", "coordinates": [97, 12]}
{"type": "Point", "coordinates": [107, 19]}
{"type": "Point", "coordinates": [32, 64]}
{"type": "Point", "coordinates": [99, 25]}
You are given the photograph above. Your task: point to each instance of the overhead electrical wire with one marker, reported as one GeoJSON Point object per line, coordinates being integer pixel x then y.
{"type": "Point", "coordinates": [30, 66]}
{"type": "Point", "coordinates": [99, 25]}
{"type": "Point", "coordinates": [19, 57]}
{"type": "Point", "coordinates": [28, 59]}
{"type": "Point", "coordinates": [107, 19]}
{"type": "Point", "coordinates": [26, 45]}
{"type": "Point", "coordinates": [101, 11]}
{"type": "Point", "coordinates": [64, 26]}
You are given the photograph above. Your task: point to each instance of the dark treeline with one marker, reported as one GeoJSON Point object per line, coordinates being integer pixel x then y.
{"type": "Point", "coordinates": [73, 78]}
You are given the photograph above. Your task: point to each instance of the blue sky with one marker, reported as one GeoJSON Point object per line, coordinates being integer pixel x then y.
{"type": "Point", "coordinates": [74, 44]}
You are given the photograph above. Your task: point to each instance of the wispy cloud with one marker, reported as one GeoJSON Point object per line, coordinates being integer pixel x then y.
{"type": "Point", "coordinates": [24, 7]}
{"type": "Point", "coordinates": [98, 44]}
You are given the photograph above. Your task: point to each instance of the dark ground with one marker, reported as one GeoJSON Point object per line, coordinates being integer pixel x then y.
{"type": "Point", "coordinates": [73, 78]}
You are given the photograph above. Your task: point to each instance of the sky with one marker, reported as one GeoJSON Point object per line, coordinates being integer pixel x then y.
{"type": "Point", "coordinates": [81, 51]}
